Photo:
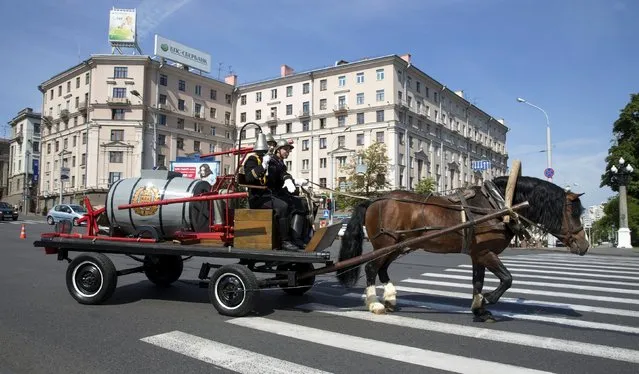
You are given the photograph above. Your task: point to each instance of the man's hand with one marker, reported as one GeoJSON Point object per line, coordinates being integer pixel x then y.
{"type": "Point", "coordinates": [301, 182]}
{"type": "Point", "coordinates": [265, 161]}
{"type": "Point", "coordinates": [289, 185]}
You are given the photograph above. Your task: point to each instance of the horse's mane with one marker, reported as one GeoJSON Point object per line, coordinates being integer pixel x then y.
{"type": "Point", "coordinates": [546, 201]}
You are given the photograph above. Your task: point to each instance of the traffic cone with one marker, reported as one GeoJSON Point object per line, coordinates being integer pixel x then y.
{"type": "Point", "coordinates": [23, 235]}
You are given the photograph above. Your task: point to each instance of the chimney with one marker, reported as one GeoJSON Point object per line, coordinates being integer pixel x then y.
{"type": "Point", "coordinates": [231, 79]}
{"type": "Point", "coordinates": [406, 57]}
{"type": "Point", "coordinates": [286, 70]}
{"type": "Point", "coordinates": [460, 93]}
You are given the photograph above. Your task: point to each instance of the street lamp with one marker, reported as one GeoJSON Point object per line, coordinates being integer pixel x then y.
{"type": "Point", "coordinates": [622, 175]}
{"type": "Point", "coordinates": [61, 154]}
{"type": "Point", "coordinates": [548, 148]}
{"type": "Point", "coordinates": [332, 208]}
{"type": "Point", "coordinates": [155, 128]}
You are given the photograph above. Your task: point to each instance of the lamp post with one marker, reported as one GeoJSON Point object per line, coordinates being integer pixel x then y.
{"type": "Point", "coordinates": [332, 207]}
{"type": "Point", "coordinates": [548, 147]}
{"type": "Point", "coordinates": [27, 183]}
{"type": "Point", "coordinates": [621, 175]}
{"type": "Point", "coordinates": [155, 127]}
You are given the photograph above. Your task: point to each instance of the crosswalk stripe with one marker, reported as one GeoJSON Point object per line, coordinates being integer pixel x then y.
{"type": "Point", "coordinates": [396, 352]}
{"type": "Point", "coordinates": [537, 276]}
{"type": "Point", "coordinates": [225, 356]}
{"type": "Point", "coordinates": [608, 299]}
{"type": "Point", "coordinates": [586, 258]}
{"type": "Point", "coordinates": [543, 342]}
{"type": "Point", "coordinates": [541, 284]}
{"type": "Point", "coordinates": [583, 266]}
{"type": "Point", "coordinates": [575, 261]}
{"type": "Point", "coordinates": [588, 275]}
{"type": "Point", "coordinates": [449, 308]}
{"type": "Point", "coordinates": [527, 302]}
{"type": "Point", "coordinates": [519, 266]}
{"type": "Point", "coordinates": [23, 222]}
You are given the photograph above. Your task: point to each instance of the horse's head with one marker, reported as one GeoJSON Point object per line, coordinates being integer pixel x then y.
{"type": "Point", "coordinates": [572, 232]}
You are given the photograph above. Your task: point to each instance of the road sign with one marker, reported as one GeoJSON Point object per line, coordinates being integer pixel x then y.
{"type": "Point", "coordinates": [326, 213]}
{"type": "Point", "coordinates": [549, 172]}
{"type": "Point", "coordinates": [480, 165]}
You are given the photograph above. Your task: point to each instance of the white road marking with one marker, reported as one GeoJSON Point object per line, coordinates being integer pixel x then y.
{"type": "Point", "coordinates": [543, 342]}
{"type": "Point", "coordinates": [225, 356]}
{"type": "Point", "coordinates": [391, 351]}
{"type": "Point", "coordinates": [574, 261]}
{"type": "Point", "coordinates": [579, 277]}
{"type": "Point", "coordinates": [551, 263]}
{"type": "Point", "coordinates": [554, 268]}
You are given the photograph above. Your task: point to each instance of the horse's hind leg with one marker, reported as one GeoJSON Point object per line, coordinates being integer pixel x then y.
{"type": "Point", "coordinates": [390, 293]}
{"type": "Point", "coordinates": [494, 264]}
{"type": "Point", "coordinates": [477, 307]}
{"type": "Point", "coordinates": [372, 302]}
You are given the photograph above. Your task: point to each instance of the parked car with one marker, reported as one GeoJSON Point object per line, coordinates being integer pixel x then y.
{"type": "Point", "coordinates": [342, 230]}
{"type": "Point", "coordinates": [70, 212]}
{"type": "Point", "coordinates": [7, 212]}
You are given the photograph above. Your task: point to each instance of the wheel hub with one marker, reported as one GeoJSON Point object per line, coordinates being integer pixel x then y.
{"type": "Point", "coordinates": [230, 291]}
{"type": "Point", "coordinates": [88, 279]}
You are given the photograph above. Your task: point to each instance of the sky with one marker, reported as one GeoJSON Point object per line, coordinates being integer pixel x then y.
{"type": "Point", "coordinates": [576, 59]}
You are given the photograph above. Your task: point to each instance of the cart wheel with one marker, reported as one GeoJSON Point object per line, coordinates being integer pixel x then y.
{"type": "Point", "coordinates": [163, 270]}
{"type": "Point", "coordinates": [303, 285]}
{"type": "Point", "coordinates": [233, 290]}
{"type": "Point", "coordinates": [91, 278]}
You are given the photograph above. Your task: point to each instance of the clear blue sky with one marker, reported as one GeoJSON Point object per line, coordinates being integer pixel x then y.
{"type": "Point", "coordinates": [577, 59]}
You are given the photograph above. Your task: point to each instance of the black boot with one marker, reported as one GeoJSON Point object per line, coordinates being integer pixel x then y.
{"type": "Point", "coordinates": [298, 230]}
{"type": "Point", "coordinates": [284, 230]}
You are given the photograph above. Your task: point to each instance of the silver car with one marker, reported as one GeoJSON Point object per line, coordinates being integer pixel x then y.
{"type": "Point", "coordinates": [69, 212]}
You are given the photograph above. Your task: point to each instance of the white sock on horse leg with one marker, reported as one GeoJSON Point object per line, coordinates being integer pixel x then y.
{"type": "Point", "coordinates": [372, 303]}
{"type": "Point", "coordinates": [390, 293]}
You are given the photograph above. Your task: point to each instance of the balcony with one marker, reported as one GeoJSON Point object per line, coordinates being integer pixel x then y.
{"type": "Point", "coordinates": [48, 121]}
{"type": "Point", "coordinates": [64, 115]}
{"type": "Point", "coordinates": [197, 115]}
{"type": "Point", "coordinates": [18, 138]}
{"type": "Point", "coordinates": [82, 106]}
{"type": "Point", "coordinates": [272, 118]}
{"type": "Point", "coordinates": [304, 114]}
{"type": "Point", "coordinates": [340, 109]}
{"type": "Point", "coordinates": [118, 101]}
{"type": "Point", "coordinates": [163, 107]}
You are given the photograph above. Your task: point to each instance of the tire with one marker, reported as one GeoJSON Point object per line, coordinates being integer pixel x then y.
{"type": "Point", "coordinates": [50, 220]}
{"type": "Point", "coordinates": [75, 222]}
{"type": "Point", "coordinates": [91, 278]}
{"type": "Point", "coordinates": [304, 285]}
{"type": "Point", "coordinates": [233, 290]}
{"type": "Point", "coordinates": [163, 270]}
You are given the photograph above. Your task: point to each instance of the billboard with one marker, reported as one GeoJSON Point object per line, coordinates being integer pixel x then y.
{"type": "Point", "coordinates": [177, 52]}
{"type": "Point", "coordinates": [205, 170]}
{"type": "Point", "coordinates": [122, 26]}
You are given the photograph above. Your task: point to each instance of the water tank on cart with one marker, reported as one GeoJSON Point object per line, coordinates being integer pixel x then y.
{"type": "Point", "coordinates": [158, 185]}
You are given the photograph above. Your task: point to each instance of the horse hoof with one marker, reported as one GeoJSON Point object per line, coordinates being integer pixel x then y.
{"type": "Point", "coordinates": [390, 307]}
{"type": "Point", "coordinates": [377, 308]}
{"type": "Point", "coordinates": [484, 316]}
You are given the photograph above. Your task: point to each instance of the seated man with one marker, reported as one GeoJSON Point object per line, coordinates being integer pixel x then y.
{"type": "Point", "coordinates": [283, 186]}
{"type": "Point", "coordinates": [255, 174]}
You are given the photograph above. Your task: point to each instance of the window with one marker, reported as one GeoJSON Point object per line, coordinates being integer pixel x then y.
{"type": "Point", "coordinates": [36, 147]}
{"type": "Point", "coordinates": [243, 100]}
{"type": "Point", "coordinates": [305, 126]}
{"type": "Point", "coordinates": [114, 176]}
{"type": "Point", "coordinates": [161, 139]}
{"type": "Point", "coordinates": [418, 86]}
{"type": "Point", "coordinates": [306, 108]}
{"type": "Point", "coordinates": [341, 141]}
{"type": "Point", "coordinates": [77, 101]}
{"type": "Point", "coordinates": [341, 102]}
{"type": "Point", "coordinates": [164, 80]}
{"type": "Point", "coordinates": [322, 123]}
{"type": "Point", "coordinates": [227, 118]}
{"type": "Point", "coordinates": [162, 99]}
{"type": "Point", "coordinates": [323, 162]}
{"type": "Point", "coordinates": [273, 129]}
{"type": "Point", "coordinates": [380, 116]}
{"type": "Point", "coordinates": [77, 82]}
{"type": "Point", "coordinates": [213, 95]}
{"type": "Point", "coordinates": [289, 127]}
{"type": "Point", "coordinates": [213, 112]}
{"type": "Point", "coordinates": [341, 81]}
{"type": "Point", "coordinates": [305, 164]}
{"type": "Point", "coordinates": [227, 97]}
{"type": "Point", "coordinates": [84, 138]}
{"type": "Point", "coordinates": [306, 88]}
{"type": "Point", "coordinates": [196, 146]}
{"type": "Point", "coordinates": [161, 160]}
{"type": "Point", "coordinates": [120, 72]}
{"type": "Point", "coordinates": [380, 74]}
{"type": "Point", "coordinates": [323, 85]}
{"type": "Point", "coordinates": [116, 157]}
{"type": "Point", "coordinates": [341, 121]}
{"type": "Point", "coordinates": [322, 104]}
{"type": "Point", "coordinates": [258, 114]}
{"type": "Point", "coordinates": [341, 160]}
{"type": "Point", "coordinates": [360, 139]}
{"type": "Point", "coordinates": [198, 110]}
{"type": "Point", "coordinates": [360, 98]}
{"type": "Point", "coordinates": [180, 143]}
{"type": "Point", "coordinates": [69, 86]}
{"type": "Point", "coordinates": [116, 135]}
{"type": "Point", "coordinates": [289, 109]}
{"type": "Point", "coordinates": [182, 85]}
{"type": "Point", "coordinates": [119, 92]}
{"type": "Point", "coordinates": [243, 117]}
{"type": "Point", "coordinates": [83, 159]}
{"type": "Point", "coordinates": [258, 97]}
{"type": "Point", "coordinates": [59, 91]}
{"type": "Point", "coordinates": [181, 104]}
{"type": "Point", "coordinates": [274, 93]}
{"type": "Point", "coordinates": [289, 91]}
{"type": "Point", "coordinates": [323, 182]}
{"type": "Point", "coordinates": [213, 131]}
{"type": "Point", "coordinates": [379, 95]}
{"type": "Point", "coordinates": [379, 136]}
{"type": "Point", "coordinates": [289, 166]}
{"type": "Point", "coordinates": [322, 143]}
{"type": "Point", "coordinates": [180, 123]}
{"type": "Point", "coordinates": [360, 118]}
{"type": "Point", "coordinates": [162, 119]}
{"type": "Point", "coordinates": [117, 114]}
{"type": "Point", "coordinates": [305, 145]}
{"type": "Point", "coordinates": [198, 90]}
{"type": "Point", "coordinates": [360, 77]}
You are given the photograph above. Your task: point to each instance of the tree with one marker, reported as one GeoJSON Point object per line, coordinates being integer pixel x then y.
{"type": "Point", "coordinates": [610, 221]}
{"type": "Point", "coordinates": [625, 144]}
{"type": "Point", "coordinates": [425, 186]}
{"type": "Point", "coordinates": [372, 177]}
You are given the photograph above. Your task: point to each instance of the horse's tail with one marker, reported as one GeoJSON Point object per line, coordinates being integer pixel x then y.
{"type": "Point", "coordinates": [352, 244]}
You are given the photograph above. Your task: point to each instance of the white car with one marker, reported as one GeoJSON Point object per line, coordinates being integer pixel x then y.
{"type": "Point", "coordinates": [70, 212]}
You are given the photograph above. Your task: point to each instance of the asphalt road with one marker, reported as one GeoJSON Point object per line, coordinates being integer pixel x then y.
{"type": "Point", "coordinates": [564, 314]}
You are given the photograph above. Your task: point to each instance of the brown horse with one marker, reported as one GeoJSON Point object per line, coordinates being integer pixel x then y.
{"type": "Point", "coordinates": [401, 215]}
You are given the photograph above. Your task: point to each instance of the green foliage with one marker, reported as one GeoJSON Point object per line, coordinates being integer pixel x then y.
{"type": "Point", "coordinates": [425, 186]}
{"type": "Point", "coordinates": [602, 229]}
{"type": "Point", "coordinates": [626, 144]}
{"type": "Point", "coordinates": [373, 179]}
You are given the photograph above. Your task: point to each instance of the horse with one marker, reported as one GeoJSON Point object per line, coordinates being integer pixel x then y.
{"type": "Point", "coordinates": [402, 215]}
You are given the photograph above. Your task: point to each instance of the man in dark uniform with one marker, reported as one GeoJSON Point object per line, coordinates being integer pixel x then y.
{"type": "Point", "coordinates": [255, 174]}
{"type": "Point", "coordinates": [284, 187]}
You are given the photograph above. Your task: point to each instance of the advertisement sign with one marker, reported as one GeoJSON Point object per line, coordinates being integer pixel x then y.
{"type": "Point", "coordinates": [35, 166]}
{"type": "Point", "coordinates": [480, 165]}
{"type": "Point", "coordinates": [177, 52]}
{"type": "Point", "coordinates": [205, 170]}
{"type": "Point", "coordinates": [122, 26]}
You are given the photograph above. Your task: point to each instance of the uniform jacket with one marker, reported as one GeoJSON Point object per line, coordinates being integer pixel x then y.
{"type": "Point", "coordinates": [277, 174]}
{"type": "Point", "coordinates": [255, 175]}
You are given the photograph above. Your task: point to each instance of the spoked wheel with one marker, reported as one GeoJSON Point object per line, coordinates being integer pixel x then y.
{"type": "Point", "coordinates": [233, 290]}
{"type": "Point", "coordinates": [163, 270]}
{"type": "Point", "coordinates": [303, 285]}
{"type": "Point", "coordinates": [91, 278]}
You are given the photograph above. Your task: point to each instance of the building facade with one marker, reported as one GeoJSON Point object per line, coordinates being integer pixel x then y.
{"type": "Point", "coordinates": [111, 116]}
{"type": "Point", "coordinates": [332, 113]}
{"type": "Point", "coordinates": [4, 167]}
{"type": "Point", "coordinates": [24, 157]}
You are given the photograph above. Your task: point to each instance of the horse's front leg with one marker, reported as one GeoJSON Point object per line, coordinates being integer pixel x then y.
{"type": "Point", "coordinates": [390, 293]}
{"type": "Point", "coordinates": [372, 302]}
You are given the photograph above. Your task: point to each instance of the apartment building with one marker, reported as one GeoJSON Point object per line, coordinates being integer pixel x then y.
{"type": "Point", "coordinates": [111, 116]}
{"type": "Point", "coordinates": [24, 155]}
{"type": "Point", "coordinates": [4, 167]}
{"type": "Point", "coordinates": [333, 112]}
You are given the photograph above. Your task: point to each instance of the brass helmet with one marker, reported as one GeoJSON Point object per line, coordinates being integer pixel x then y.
{"type": "Point", "coordinates": [260, 144]}
{"type": "Point", "coordinates": [283, 143]}
{"type": "Point", "coordinates": [270, 140]}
